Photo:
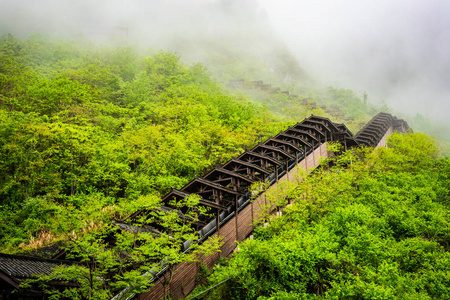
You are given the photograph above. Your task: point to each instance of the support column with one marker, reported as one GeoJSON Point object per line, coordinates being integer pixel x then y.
{"type": "Point", "coordinates": [236, 213]}
{"type": "Point", "coordinates": [218, 221]}
{"type": "Point", "coordinates": [306, 160]}
{"type": "Point", "coordinates": [216, 198]}
{"type": "Point", "coordinates": [314, 155]}
{"type": "Point", "coordinates": [287, 169]}
{"type": "Point", "coordinates": [276, 173]}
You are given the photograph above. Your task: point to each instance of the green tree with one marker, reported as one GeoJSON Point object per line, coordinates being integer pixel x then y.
{"type": "Point", "coordinates": [122, 257]}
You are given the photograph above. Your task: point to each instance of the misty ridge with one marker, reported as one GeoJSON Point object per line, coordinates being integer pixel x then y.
{"type": "Point", "coordinates": [172, 24]}
{"type": "Point", "coordinates": [397, 52]}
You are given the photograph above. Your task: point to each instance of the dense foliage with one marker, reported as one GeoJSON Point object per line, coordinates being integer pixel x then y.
{"type": "Point", "coordinates": [115, 258]}
{"type": "Point", "coordinates": [88, 135]}
{"type": "Point", "coordinates": [374, 226]}
{"type": "Point", "coordinates": [84, 127]}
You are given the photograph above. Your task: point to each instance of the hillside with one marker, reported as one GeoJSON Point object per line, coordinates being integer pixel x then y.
{"type": "Point", "coordinates": [91, 134]}
{"type": "Point", "coordinates": [87, 126]}
{"type": "Point", "coordinates": [84, 127]}
{"type": "Point", "coordinates": [373, 226]}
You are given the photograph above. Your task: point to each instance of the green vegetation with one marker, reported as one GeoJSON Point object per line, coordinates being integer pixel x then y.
{"type": "Point", "coordinates": [90, 135]}
{"type": "Point", "coordinates": [85, 130]}
{"type": "Point", "coordinates": [439, 130]}
{"type": "Point", "coordinates": [113, 261]}
{"type": "Point", "coordinates": [340, 105]}
{"type": "Point", "coordinates": [374, 226]}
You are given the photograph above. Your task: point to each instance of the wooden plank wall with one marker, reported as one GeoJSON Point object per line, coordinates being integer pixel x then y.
{"type": "Point", "coordinates": [185, 274]}
{"type": "Point", "coordinates": [245, 222]}
{"type": "Point", "coordinates": [383, 141]}
{"type": "Point", "coordinates": [228, 233]}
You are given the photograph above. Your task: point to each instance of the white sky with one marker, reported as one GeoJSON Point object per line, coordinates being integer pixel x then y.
{"type": "Point", "coordinates": [396, 50]}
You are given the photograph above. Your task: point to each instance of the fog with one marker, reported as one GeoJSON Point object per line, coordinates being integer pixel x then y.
{"type": "Point", "coordinates": [395, 50]}
{"type": "Point", "coordinates": [155, 23]}
{"type": "Point", "coordinates": [398, 51]}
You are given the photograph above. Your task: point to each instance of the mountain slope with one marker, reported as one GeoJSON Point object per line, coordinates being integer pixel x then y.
{"type": "Point", "coordinates": [375, 225]}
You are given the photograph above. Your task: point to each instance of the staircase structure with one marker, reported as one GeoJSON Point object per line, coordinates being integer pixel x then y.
{"type": "Point", "coordinates": [224, 190]}
{"type": "Point", "coordinates": [280, 158]}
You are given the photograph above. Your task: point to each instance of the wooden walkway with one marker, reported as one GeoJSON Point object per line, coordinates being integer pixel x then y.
{"type": "Point", "coordinates": [280, 158]}
{"type": "Point", "coordinates": [225, 191]}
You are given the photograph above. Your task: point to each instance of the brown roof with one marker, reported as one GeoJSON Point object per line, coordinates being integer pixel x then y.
{"type": "Point", "coordinates": [247, 164]}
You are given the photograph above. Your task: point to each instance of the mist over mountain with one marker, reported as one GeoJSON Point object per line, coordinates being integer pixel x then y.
{"type": "Point", "coordinates": [221, 34]}
{"type": "Point", "coordinates": [395, 51]}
